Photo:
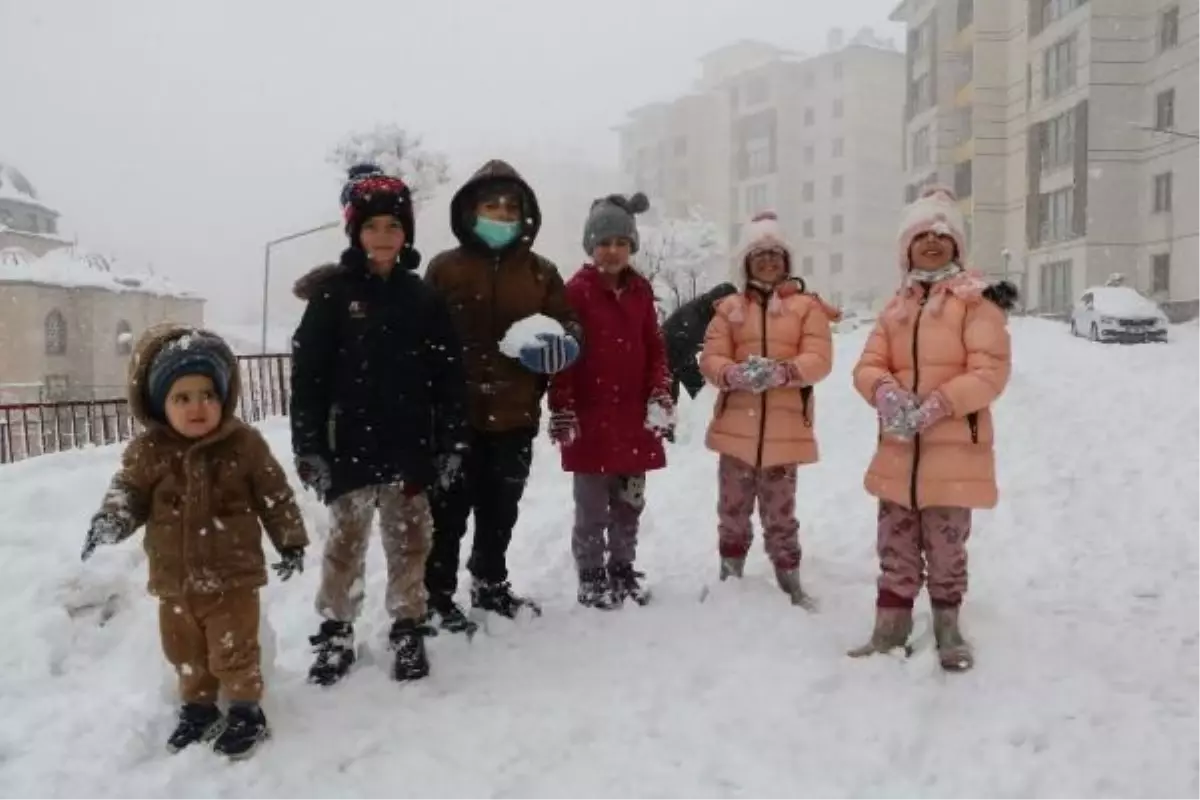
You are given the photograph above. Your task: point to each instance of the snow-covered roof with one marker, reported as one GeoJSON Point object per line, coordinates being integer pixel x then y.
{"type": "Point", "coordinates": [15, 186]}
{"type": "Point", "coordinates": [73, 268]}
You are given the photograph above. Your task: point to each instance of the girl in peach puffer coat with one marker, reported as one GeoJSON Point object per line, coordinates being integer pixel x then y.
{"type": "Point", "coordinates": [764, 349]}
{"type": "Point", "coordinates": [937, 359]}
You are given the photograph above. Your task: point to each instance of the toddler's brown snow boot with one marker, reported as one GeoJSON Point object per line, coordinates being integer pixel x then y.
{"type": "Point", "coordinates": [789, 583]}
{"type": "Point", "coordinates": [893, 626]}
{"type": "Point", "coordinates": [954, 652]}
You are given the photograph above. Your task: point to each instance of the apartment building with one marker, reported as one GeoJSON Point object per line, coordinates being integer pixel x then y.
{"type": "Point", "coordinates": [811, 137]}
{"type": "Point", "coordinates": [1069, 130]}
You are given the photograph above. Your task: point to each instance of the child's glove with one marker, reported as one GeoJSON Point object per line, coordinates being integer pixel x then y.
{"type": "Point", "coordinates": [932, 411]}
{"type": "Point", "coordinates": [449, 466]}
{"type": "Point", "coordinates": [563, 427]}
{"type": "Point", "coordinates": [660, 417]}
{"type": "Point", "coordinates": [896, 407]}
{"type": "Point", "coordinates": [315, 474]}
{"type": "Point", "coordinates": [782, 374]}
{"type": "Point", "coordinates": [553, 353]}
{"type": "Point", "coordinates": [105, 529]}
{"type": "Point", "coordinates": [737, 379]}
{"type": "Point", "coordinates": [291, 561]}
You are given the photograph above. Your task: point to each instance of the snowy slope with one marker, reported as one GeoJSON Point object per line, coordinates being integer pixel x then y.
{"type": "Point", "coordinates": [1082, 606]}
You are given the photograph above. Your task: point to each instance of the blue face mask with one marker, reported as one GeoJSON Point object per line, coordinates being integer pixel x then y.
{"type": "Point", "coordinates": [496, 234]}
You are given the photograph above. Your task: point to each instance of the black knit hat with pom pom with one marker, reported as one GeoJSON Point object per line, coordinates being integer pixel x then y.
{"type": "Point", "coordinates": [613, 217]}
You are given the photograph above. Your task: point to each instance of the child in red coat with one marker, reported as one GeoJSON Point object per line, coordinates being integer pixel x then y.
{"type": "Point", "coordinates": [611, 409]}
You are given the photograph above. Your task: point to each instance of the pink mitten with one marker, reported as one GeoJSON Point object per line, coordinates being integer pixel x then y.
{"type": "Point", "coordinates": [932, 411]}
{"type": "Point", "coordinates": [737, 378]}
{"type": "Point", "coordinates": [896, 407]}
{"type": "Point", "coordinates": [563, 427]}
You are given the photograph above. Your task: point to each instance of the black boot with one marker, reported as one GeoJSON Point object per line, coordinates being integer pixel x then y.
{"type": "Point", "coordinates": [407, 638]}
{"type": "Point", "coordinates": [626, 584]}
{"type": "Point", "coordinates": [198, 722]}
{"type": "Point", "coordinates": [594, 591]}
{"type": "Point", "coordinates": [499, 598]}
{"type": "Point", "coordinates": [448, 615]}
{"type": "Point", "coordinates": [246, 729]}
{"type": "Point", "coordinates": [334, 646]}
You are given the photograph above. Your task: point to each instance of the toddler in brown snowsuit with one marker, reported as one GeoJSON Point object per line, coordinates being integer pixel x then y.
{"type": "Point", "coordinates": [201, 480]}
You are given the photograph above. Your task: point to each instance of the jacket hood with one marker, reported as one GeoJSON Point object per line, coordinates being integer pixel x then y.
{"type": "Point", "coordinates": [353, 260]}
{"type": "Point", "coordinates": [763, 231]}
{"type": "Point", "coordinates": [144, 353]}
{"type": "Point", "coordinates": [462, 210]}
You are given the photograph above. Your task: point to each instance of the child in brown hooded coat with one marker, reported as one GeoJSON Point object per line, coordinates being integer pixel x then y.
{"type": "Point", "coordinates": [201, 480]}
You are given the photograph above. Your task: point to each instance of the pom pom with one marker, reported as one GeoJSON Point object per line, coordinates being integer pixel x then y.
{"type": "Point", "coordinates": [937, 189]}
{"type": "Point", "coordinates": [765, 215]}
{"type": "Point", "coordinates": [638, 203]}
{"type": "Point", "coordinates": [362, 170]}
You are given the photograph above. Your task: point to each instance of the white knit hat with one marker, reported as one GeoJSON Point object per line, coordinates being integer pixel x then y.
{"type": "Point", "coordinates": [760, 233]}
{"type": "Point", "coordinates": [935, 210]}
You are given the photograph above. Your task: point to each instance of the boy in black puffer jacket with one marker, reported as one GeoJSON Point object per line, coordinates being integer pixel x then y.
{"type": "Point", "coordinates": [378, 414]}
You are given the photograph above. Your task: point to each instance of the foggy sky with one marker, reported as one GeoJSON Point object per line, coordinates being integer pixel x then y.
{"type": "Point", "coordinates": [186, 134]}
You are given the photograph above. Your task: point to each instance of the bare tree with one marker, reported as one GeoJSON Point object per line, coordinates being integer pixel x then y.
{"type": "Point", "coordinates": [678, 255]}
{"type": "Point", "coordinates": [397, 152]}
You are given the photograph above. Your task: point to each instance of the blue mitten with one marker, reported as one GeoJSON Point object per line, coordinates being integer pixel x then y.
{"type": "Point", "coordinates": [555, 353]}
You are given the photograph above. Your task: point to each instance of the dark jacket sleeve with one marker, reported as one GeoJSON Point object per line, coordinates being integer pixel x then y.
{"type": "Point", "coordinates": [314, 352]}
{"type": "Point", "coordinates": [684, 333]}
{"type": "Point", "coordinates": [448, 378]}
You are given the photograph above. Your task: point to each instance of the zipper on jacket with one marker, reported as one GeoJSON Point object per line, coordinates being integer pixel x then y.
{"type": "Point", "coordinates": [912, 489]}
{"type": "Point", "coordinates": [762, 416]}
{"type": "Point", "coordinates": [487, 395]}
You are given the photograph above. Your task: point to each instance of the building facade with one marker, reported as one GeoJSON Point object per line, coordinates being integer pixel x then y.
{"type": "Point", "coordinates": [1068, 129]}
{"type": "Point", "coordinates": [812, 138]}
{"type": "Point", "coordinates": [69, 322]}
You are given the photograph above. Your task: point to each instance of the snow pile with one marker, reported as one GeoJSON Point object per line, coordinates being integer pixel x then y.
{"type": "Point", "coordinates": [70, 268]}
{"type": "Point", "coordinates": [525, 332]}
{"type": "Point", "coordinates": [1082, 609]}
{"type": "Point", "coordinates": [1122, 301]}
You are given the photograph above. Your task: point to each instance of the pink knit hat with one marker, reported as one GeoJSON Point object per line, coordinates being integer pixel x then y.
{"type": "Point", "coordinates": [936, 210]}
{"type": "Point", "coordinates": [760, 233]}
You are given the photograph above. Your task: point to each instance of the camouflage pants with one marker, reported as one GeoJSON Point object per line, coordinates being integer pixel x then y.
{"type": "Point", "coordinates": [929, 545]}
{"type": "Point", "coordinates": [609, 504]}
{"type": "Point", "coordinates": [407, 532]}
{"type": "Point", "coordinates": [774, 490]}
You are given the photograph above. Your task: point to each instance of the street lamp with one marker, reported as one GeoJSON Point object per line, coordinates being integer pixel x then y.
{"type": "Point", "coordinates": [267, 269]}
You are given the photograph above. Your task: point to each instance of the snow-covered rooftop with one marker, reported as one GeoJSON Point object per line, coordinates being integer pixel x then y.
{"type": "Point", "coordinates": [15, 186]}
{"type": "Point", "coordinates": [74, 268]}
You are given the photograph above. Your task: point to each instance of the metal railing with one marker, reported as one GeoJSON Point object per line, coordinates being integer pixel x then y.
{"type": "Point", "coordinates": [33, 429]}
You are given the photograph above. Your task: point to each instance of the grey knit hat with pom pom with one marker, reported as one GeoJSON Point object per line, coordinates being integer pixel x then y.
{"type": "Point", "coordinates": [612, 217]}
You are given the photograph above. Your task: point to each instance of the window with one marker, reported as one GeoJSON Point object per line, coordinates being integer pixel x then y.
{"type": "Point", "coordinates": [758, 156]}
{"type": "Point", "coordinates": [1055, 215]}
{"type": "Point", "coordinates": [809, 191]}
{"type": "Point", "coordinates": [839, 147]}
{"type": "Point", "coordinates": [756, 199]}
{"type": "Point", "coordinates": [837, 70]}
{"type": "Point", "coordinates": [757, 91]}
{"type": "Point", "coordinates": [1168, 29]}
{"type": "Point", "coordinates": [1058, 67]}
{"type": "Point", "coordinates": [1056, 141]}
{"type": "Point", "coordinates": [124, 338]}
{"type": "Point", "coordinates": [755, 142]}
{"type": "Point", "coordinates": [837, 186]}
{"type": "Point", "coordinates": [919, 147]}
{"type": "Point", "coordinates": [806, 266]}
{"type": "Point", "coordinates": [56, 333]}
{"type": "Point", "coordinates": [966, 13]}
{"type": "Point", "coordinates": [1162, 192]}
{"type": "Point", "coordinates": [810, 117]}
{"type": "Point", "coordinates": [1048, 11]}
{"type": "Point", "coordinates": [838, 108]}
{"type": "Point", "coordinates": [920, 95]}
{"type": "Point", "coordinates": [681, 145]}
{"type": "Point", "coordinates": [808, 154]}
{"type": "Point", "coordinates": [835, 263]}
{"type": "Point", "coordinates": [1164, 110]}
{"type": "Point", "coordinates": [836, 224]}
{"type": "Point", "coordinates": [1054, 293]}
{"type": "Point", "coordinates": [963, 179]}
{"type": "Point", "coordinates": [808, 229]}
{"type": "Point", "coordinates": [1160, 273]}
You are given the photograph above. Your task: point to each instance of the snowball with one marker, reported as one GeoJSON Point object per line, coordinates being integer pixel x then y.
{"type": "Point", "coordinates": [524, 332]}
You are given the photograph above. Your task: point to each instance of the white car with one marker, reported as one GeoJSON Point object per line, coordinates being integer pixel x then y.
{"type": "Point", "coordinates": [1118, 314]}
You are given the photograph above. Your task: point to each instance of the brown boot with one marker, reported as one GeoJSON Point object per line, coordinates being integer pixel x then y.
{"type": "Point", "coordinates": [893, 626]}
{"type": "Point", "coordinates": [789, 583]}
{"type": "Point", "coordinates": [732, 567]}
{"type": "Point", "coordinates": [953, 651]}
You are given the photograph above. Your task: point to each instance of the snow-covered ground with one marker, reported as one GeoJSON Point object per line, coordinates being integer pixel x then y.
{"type": "Point", "coordinates": [1083, 610]}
